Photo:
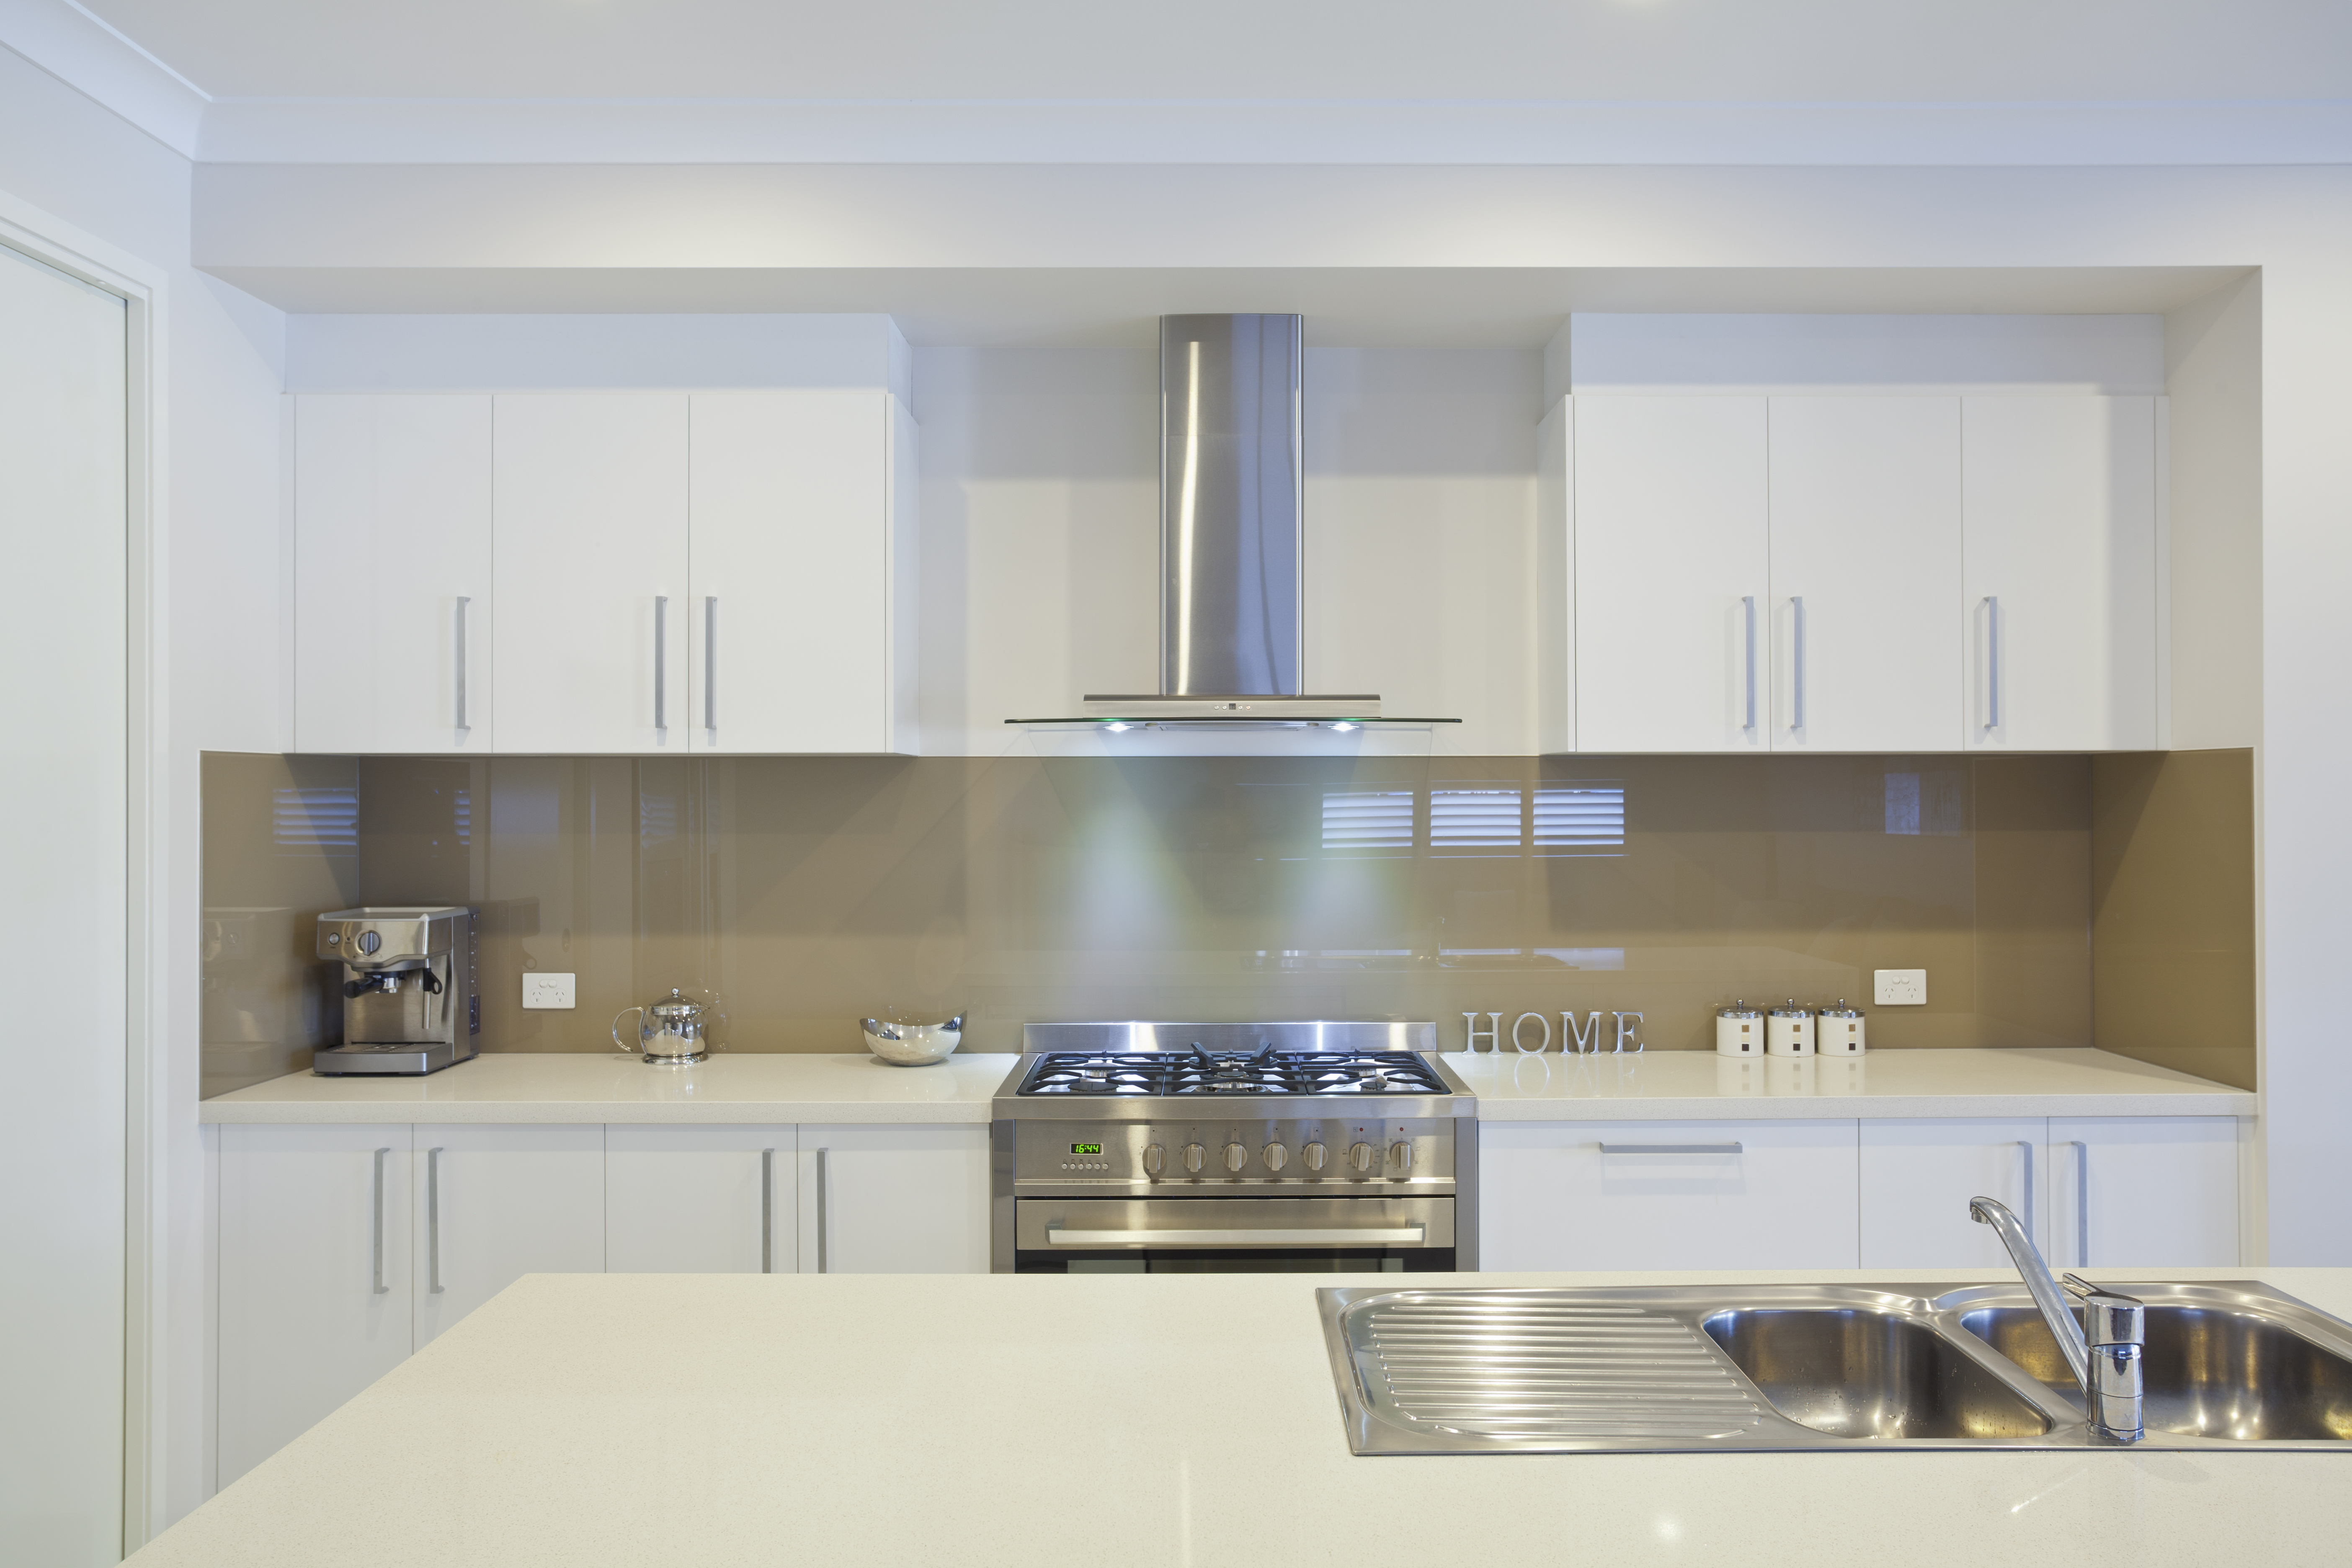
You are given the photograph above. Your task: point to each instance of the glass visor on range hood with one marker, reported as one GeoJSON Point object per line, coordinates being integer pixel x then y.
{"type": "Point", "coordinates": [1231, 542]}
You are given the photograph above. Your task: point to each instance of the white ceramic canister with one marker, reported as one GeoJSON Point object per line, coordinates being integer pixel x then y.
{"type": "Point", "coordinates": [1838, 1031]}
{"type": "Point", "coordinates": [1788, 1030]}
{"type": "Point", "coordinates": [1739, 1031]}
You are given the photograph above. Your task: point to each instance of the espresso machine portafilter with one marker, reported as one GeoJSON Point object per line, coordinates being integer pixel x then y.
{"type": "Point", "coordinates": [410, 1006]}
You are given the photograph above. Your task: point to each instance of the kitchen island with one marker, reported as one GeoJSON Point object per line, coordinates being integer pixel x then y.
{"type": "Point", "coordinates": [719, 1419]}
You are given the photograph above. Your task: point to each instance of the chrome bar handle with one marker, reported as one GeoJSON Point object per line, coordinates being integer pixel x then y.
{"type": "Point", "coordinates": [767, 1211]}
{"type": "Point", "coordinates": [460, 641]}
{"type": "Point", "coordinates": [1747, 609]}
{"type": "Point", "coordinates": [381, 1288]}
{"type": "Point", "coordinates": [2083, 1200]}
{"type": "Point", "coordinates": [1992, 661]}
{"type": "Point", "coordinates": [710, 662]}
{"type": "Point", "coordinates": [433, 1222]}
{"type": "Point", "coordinates": [2025, 1149]}
{"type": "Point", "coordinates": [1674, 1149]}
{"type": "Point", "coordinates": [1797, 675]}
{"type": "Point", "coordinates": [661, 662]}
{"type": "Point", "coordinates": [824, 1220]}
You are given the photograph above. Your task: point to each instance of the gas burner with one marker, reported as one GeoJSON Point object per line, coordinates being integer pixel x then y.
{"type": "Point", "coordinates": [1234, 1073]}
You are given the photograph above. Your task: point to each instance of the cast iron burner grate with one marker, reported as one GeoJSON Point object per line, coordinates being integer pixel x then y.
{"type": "Point", "coordinates": [1233, 1074]}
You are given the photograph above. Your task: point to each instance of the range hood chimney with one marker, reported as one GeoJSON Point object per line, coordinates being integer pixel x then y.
{"type": "Point", "coordinates": [1233, 539]}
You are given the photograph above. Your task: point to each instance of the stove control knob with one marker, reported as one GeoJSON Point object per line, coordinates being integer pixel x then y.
{"type": "Point", "coordinates": [1276, 1156]}
{"type": "Point", "coordinates": [1235, 1157]}
{"type": "Point", "coordinates": [1359, 1156]}
{"type": "Point", "coordinates": [1195, 1156]}
{"type": "Point", "coordinates": [1313, 1156]}
{"type": "Point", "coordinates": [1400, 1156]}
{"type": "Point", "coordinates": [1155, 1160]}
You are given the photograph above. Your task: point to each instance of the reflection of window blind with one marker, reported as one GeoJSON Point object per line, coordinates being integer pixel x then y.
{"type": "Point", "coordinates": [1367, 819]}
{"type": "Point", "coordinates": [1580, 819]}
{"type": "Point", "coordinates": [464, 818]}
{"type": "Point", "coordinates": [324, 819]}
{"type": "Point", "coordinates": [1473, 821]}
{"type": "Point", "coordinates": [657, 819]}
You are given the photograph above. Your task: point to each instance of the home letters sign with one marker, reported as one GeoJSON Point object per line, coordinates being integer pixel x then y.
{"type": "Point", "coordinates": [1583, 1039]}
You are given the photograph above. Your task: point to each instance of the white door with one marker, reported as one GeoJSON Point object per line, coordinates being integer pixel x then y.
{"type": "Point", "coordinates": [894, 1200]}
{"type": "Point", "coordinates": [791, 602]}
{"type": "Point", "coordinates": [2155, 1192]}
{"type": "Point", "coordinates": [2058, 503]}
{"type": "Point", "coordinates": [64, 775]}
{"type": "Point", "coordinates": [315, 1245]}
{"type": "Point", "coordinates": [1666, 1194]}
{"type": "Point", "coordinates": [1865, 572]}
{"type": "Point", "coordinates": [392, 574]}
{"type": "Point", "coordinates": [1918, 1177]}
{"type": "Point", "coordinates": [495, 1202]}
{"type": "Point", "coordinates": [591, 572]}
{"type": "Point", "coordinates": [1673, 581]}
{"type": "Point", "coordinates": [699, 1200]}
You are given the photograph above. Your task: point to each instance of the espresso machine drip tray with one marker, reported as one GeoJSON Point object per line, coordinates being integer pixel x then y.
{"type": "Point", "coordinates": [388, 1061]}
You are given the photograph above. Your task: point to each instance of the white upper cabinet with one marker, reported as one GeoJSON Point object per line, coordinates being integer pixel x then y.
{"type": "Point", "coordinates": [1865, 549]}
{"type": "Point", "coordinates": [591, 580]}
{"type": "Point", "coordinates": [1672, 579]}
{"type": "Point", "coordinates": [802, 555]}
{"type": "Point", "coordinates": [392, 574]}
{"type": "Point", "coordinates": [2058, 503]}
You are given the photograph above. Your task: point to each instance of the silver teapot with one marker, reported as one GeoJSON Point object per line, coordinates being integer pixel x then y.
{"type": "Point", "coordinates": [671, 1032]}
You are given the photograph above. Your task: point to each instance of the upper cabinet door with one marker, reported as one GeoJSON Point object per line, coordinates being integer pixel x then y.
{"type": "Point", "coordinates": [2058, 499]}
{"type": "Point", "coordinates": [392, 574]}
{"type": "Point", "coordinates": [592, 572]}
{"type": "Point", "coordinates": [1672, 575]}
{"type": "Point", "coordinates": [791, 613]}
{"type": "Point", "coordinates": [1866, 496]}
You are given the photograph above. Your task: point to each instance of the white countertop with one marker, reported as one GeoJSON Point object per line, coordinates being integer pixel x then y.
{"type": "Point", "coordinates": [1699, 1086]}
{"type": "Point", "coordinates": [1655, 1085]}
{"type": "Point", "coordinates": [1157, 1419]}
{"type": "Point", "coordinates": [737, 1087]}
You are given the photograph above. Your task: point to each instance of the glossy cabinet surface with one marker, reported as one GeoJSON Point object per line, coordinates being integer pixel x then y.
{"type": "Point", "coordinates": [590, 552]}
{"type": "Point", "coordinates": [1672, 575]}
{"type": "Point", "coordinates": [699, 1200]}
{"type": "Point", "coordinates": [2161, 1190]}
{"type": "Point", "coordinates": [894, 1200]}
{"type": "Point", "coordinates": [495, 1202]}
{"type": "Point", "coordinates": [1918, 1177]}
{"type": "Point", "coordinates": [392, 602]}
{"type": "Point", "coordinates": [315, 1277]}
{"type": "Point", "coordinates": [1666, 1194]}
{"type": "Point", "coordinates": [2059, 541]}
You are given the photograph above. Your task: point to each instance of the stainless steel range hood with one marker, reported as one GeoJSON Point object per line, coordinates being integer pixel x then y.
{"type": "Point", "coordinates": [1233, 540]}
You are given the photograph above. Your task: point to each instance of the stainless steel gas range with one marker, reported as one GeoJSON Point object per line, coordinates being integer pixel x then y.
{"type": "Point", "coordinates": [1222, 1148]}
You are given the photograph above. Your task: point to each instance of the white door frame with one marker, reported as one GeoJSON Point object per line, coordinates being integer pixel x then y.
{"type": "Point", "coordinates": [141, 284]}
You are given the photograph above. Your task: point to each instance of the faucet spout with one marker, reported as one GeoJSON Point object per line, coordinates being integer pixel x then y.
{"type": "Point", "coordinates": [2107, 1363]}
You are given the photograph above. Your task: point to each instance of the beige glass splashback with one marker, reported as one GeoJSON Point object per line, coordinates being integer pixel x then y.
{"type": "Point", "coordinates": [805, 893]}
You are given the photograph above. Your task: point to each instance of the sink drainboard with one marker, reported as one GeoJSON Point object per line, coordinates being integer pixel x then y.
{"type": "Point", "coordinates": [1538, 1370]}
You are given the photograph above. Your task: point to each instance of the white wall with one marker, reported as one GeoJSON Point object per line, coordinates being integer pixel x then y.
{"type": "Point", "coordinates": [2213, 363]}
{"type": "Point", "coordinates": [227, 619]}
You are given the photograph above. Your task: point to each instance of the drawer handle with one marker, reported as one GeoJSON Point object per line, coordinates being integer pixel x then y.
{"type": "Point", "coordinates": [1401, 1236]}
{"type": "Point", "coordinates": [1673, 1148]}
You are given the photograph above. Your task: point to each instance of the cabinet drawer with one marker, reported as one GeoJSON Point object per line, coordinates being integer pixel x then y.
{"type": "Point", "coordinates": [1667, 1194]}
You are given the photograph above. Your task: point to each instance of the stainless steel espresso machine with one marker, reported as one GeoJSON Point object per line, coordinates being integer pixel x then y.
{"type": "Point", "coordinates": [409, 1003]}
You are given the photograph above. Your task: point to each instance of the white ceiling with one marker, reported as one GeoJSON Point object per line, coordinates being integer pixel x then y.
{"type": "Point", "coordinates": [1090, 51]}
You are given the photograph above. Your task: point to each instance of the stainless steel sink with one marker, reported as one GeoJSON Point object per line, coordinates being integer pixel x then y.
{"type": "Point", "coordinates": [1814, 1367]}
{"type": "Point", "coordinates": [1853, 1372]}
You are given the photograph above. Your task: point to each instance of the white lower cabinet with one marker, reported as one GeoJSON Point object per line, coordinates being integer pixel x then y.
{"type": "Point", "coordinates": [2158, 1191]}
{"type": "Point", "coordinates": [495, 1202]}
{"type": "Point", "coordinates": [1666, 1194]}
{"type": "Point", "coordinates": [894, 1200]}
{"type": "Point", "coordinates": [314, 1278]}
{"type": "Point", "coordinates": [699, 1200]}
{"type": "Point", "coordinates": [1918, 1177]}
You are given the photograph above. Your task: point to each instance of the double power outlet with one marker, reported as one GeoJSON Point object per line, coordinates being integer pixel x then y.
{"type": "Point", "coordinates": [1899, 988]}
{"type": "Point", "coordinates": [550, 990]}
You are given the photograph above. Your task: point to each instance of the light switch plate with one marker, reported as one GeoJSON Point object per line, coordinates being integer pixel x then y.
{"type": "Point", "coordinates": [1899, 988]}
{"type": "Point", "coordinates": [550, 990]}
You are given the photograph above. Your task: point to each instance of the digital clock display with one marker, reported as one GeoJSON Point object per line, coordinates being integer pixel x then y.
{"type": "Point", "coordinates": [1085, 1148]}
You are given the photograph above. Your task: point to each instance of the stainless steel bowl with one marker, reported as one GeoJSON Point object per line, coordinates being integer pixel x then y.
{"type": "Point", "coordinates": [913, 1045]}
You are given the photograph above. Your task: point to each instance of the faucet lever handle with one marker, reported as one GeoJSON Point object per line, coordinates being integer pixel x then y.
{"type": "Point", "coordinates": [2109, 1316]}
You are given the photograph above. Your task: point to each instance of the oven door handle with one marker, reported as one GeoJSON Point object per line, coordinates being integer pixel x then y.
{"type": "Point", "coordinates": [1398, 1235]}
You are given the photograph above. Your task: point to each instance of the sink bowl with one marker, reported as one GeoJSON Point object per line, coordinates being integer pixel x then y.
{"type": "Point", "coordinates": [1853, 1372]}
{"type": "Point", "coordinates": [2212, 1372]}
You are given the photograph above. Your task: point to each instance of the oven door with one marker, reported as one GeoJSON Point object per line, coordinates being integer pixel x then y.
{"type": "Point", "coordinates": [1233, 1236]}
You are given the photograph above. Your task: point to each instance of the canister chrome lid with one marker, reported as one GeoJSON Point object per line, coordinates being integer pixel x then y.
{"type": "Point", "coordinates": [1841, 1011]}
{"type": "Point", "coordinates": [1790, 1010]}
{"type": "Point", "coordinates": [1738, 1010]}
